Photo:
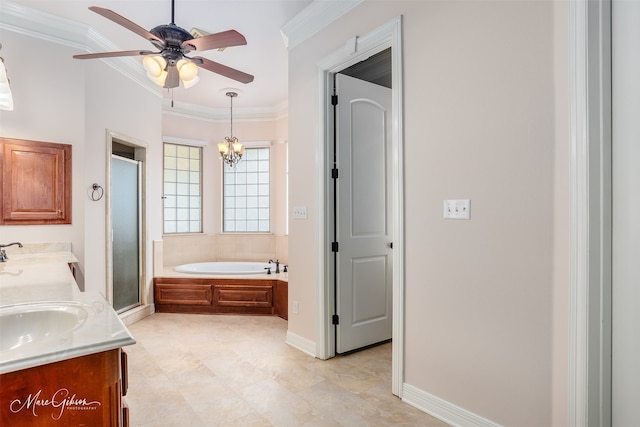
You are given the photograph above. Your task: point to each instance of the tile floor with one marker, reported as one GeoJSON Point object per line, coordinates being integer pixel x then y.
{"type": "Point", "coordinates": [217, 370]}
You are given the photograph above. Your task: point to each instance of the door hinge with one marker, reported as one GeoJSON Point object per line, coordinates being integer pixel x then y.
{"type": "Point", "coordinates": [335, 319]}
{"type": "Point", "coordinates": [334, 173]}
{"type": "Point", "coordinates": [334, 246]}
{"type": "Point", "coordinates": [334, 99]}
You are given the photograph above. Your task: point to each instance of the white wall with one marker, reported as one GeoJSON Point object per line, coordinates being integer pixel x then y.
{"type": "Point", "coordinates": [626, 204]}
{"type": "Point", "coordinates": [485, 118]}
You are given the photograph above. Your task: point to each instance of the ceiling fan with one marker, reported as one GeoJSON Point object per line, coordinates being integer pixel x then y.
{"type": "Point", "coordinates": [170, 64]}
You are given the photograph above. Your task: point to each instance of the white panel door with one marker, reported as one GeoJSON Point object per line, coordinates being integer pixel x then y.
{"type": "Point", "coordinates": [363, 217]}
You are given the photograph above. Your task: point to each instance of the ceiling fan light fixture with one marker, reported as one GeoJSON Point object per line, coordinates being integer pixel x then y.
{"type": "Point", "coordinates": [188, 72]}
{"type": "Point", "coordinates": [6, 98]}
{"type": "Point", "coordinates": [174, 43]}
{"type": "Point", "coordinates": [154, 64]}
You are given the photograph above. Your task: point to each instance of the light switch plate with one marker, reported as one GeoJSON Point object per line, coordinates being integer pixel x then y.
{"type": "Point", "coordinates": [457, 209]}
{"type": "Point", "coordinates": [299, 212]}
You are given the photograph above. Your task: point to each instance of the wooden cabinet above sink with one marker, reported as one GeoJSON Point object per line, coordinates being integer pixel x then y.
{"type": "Point", "coordinates": [36, 182]}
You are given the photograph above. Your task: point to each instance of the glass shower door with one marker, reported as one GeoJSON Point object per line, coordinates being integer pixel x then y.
{"type": "Point", "coordinates": [126, 214]}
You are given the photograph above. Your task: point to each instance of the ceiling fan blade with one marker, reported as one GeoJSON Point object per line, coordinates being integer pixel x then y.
{"type": "Point", "coordinates": [173, 77]}
{"type": "Point", "coordinates": [223, 70]}
{"type": "Point", "coordinates": [215, 41]}
{"type": "Point", "coordinates": [113, 54]}
{"type": "Point", "coordinates": [121, 20]}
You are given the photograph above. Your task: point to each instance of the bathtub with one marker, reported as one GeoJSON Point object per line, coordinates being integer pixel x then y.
{"type": "Point", "coordinates": [225, 268]}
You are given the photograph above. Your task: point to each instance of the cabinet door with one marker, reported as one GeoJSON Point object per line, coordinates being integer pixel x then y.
{"type": "Point", "coordinates": [177, 293]}
{"type": "Point", "coordinates": [243, 296]}
{"type": "Point", "coordinates": [36, 182]}
{"type": "Point", "coordinates": [81, 391]}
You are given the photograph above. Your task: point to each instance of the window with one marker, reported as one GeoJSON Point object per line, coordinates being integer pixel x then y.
{"type": "Point", "coordinates": [246, 193]}
{"type": "Point", "coordinates": [182, 196]}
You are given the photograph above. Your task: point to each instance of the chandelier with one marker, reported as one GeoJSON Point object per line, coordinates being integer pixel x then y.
{"type": "Point", "coordinates": [231, 150]}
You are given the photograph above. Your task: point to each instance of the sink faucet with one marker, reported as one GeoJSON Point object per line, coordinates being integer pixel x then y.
{"type": "Point", "coordinates": [277, 263]}
{"type": "Point", "coordinates": [3, 254]}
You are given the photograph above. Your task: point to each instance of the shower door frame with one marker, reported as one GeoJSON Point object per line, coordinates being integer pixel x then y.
{"type": "Point", "coordinates": [140, 154]}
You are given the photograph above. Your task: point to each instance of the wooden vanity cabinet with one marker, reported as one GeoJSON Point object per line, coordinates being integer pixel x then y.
{"type": "Point", "coordinates": [82, 391]}
{"type": "Point", "coordinates": [217, 296]}
{"type": "Point", "coordinates": [36, 182]}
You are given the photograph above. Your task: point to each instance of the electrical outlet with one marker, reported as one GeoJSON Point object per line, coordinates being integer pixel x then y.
{"type": "Point", "coordinates": [299, 212]}
{"type": "Point", "coordinates": [296, 307]}
{"type": "Point", "coordinates": [457, 209]}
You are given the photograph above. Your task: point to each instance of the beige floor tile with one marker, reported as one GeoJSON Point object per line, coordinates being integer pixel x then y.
{"type": "Point", "coordinates": [346, 407]}
{"type": "Point", "coordinates": [282, 407]}
{"type": "Point", "coordinates": [231, 371]}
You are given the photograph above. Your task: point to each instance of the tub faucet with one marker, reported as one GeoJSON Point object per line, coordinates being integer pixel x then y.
{"type": "Point", "coordinates": [277, 263]}
{"type": "Point", "coordinates": [3, 254]}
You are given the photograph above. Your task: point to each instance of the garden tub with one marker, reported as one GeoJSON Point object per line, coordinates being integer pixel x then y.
{"type": "Point", "coordinates": [225, 268]}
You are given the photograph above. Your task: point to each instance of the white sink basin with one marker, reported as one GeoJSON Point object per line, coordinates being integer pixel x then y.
{"type": "Point", "coordinates": [38, 323]}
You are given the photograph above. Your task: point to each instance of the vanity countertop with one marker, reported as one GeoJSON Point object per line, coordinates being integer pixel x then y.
{"type": "Point", "coordinates": [45, 318]}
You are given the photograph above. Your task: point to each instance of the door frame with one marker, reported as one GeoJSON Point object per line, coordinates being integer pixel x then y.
{"type": "Point", "coordinates": [140, 154]}
{"type": "Point", "coordinates": [590, 213]}
{"type": "Point", "coordinates": [360, 48]}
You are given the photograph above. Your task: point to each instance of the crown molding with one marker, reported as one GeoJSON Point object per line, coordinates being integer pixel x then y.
{"type": "Point", "coordinates": [313, 18]}
{"type": "Point", "coordinates": [222, 114]}
{"type": "Point", "coordinates": [44, 26]}
{"type": "Point", "coordinates": [35, 23]}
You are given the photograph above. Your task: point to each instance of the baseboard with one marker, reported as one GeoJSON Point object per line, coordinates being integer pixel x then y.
{"type": "Point", "coordinates": [302, 344]}
{"type": "Point", "coordinates": [443, 410]}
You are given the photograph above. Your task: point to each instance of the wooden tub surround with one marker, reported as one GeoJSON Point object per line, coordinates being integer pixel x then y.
{"type": "Point", "coordinates": [221, 296]}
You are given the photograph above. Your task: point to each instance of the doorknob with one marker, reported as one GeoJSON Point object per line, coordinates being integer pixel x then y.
{"type": "Point", "coordinates": [391, 245]}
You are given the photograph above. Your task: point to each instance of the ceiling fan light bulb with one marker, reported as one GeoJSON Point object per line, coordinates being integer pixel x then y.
{"type": "Point", "coordinates": [187, 69]}
{"type": "Point", "coordinates": [154, 65]}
